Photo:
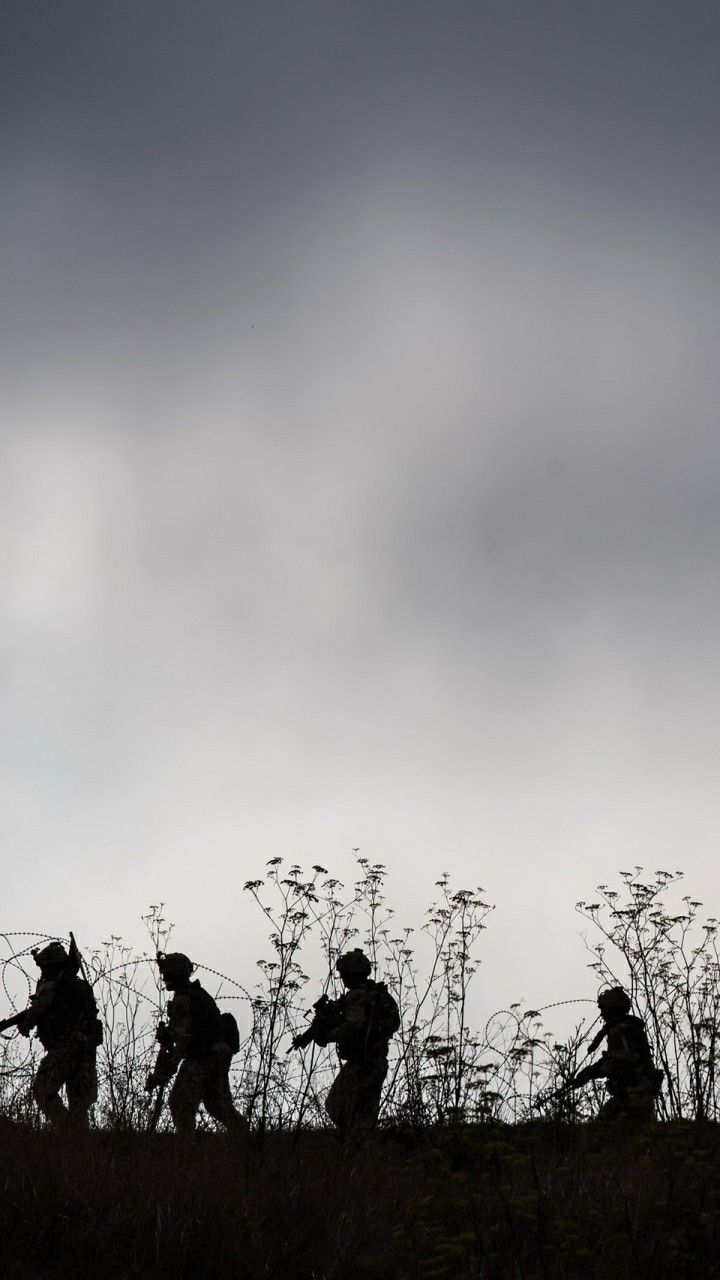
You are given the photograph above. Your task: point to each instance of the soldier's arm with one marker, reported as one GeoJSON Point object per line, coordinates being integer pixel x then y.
{"type": "Point", "coordinates": [180, 1025]}
{"type": "Point", "coordinates": [303, 1038]}
{"type": "Point", "coordinates": [622, 1047]}
{"type": "Point", "coordinates": [594, 1071]}
{"type": "Point", "coordinates": [174, 1038]}
{"type": "Point", "coordinates": [321, 1030]}
{"type": "Point", "coordinates": [351, 1016]}
{"type": "Point", "coordinates": [40, 1004]}
{"type": "Point", "coordinates": [15, 1020]}
{"type": "Point", "coordinates": [350, 1028]}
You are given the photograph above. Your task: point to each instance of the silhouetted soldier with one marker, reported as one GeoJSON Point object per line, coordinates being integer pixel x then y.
{"type": "Point", "coordinates": [64, 1014]}
{"type": "Point", "coordinates": [200, 1041]}
{"type": "Point", "coordinates": [360, 1023]}
{"type": "Point", "coordinates": [626, 1065]}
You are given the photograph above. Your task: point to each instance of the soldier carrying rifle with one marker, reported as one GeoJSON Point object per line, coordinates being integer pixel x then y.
{"type": "Point", "coordinates": [632, 1081]}
{"type": "Point", "coordinates": [360, 1023]}
{"type": "Point", "coordinates": [199, 1040]}
{"type": "Point", "coordinates": [64, 1015]}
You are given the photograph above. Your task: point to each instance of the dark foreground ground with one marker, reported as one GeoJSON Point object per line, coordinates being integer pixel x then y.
{"type": "Point", "coordinates": [536, 1203]}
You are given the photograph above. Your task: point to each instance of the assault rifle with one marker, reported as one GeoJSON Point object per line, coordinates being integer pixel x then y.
{"type": "Point", "coordinates": [615, 1081]}
{"type": "Point", "coordinates": [325, 1017]}
{"type": "Point", "coordinates": [155, 1114]}
{"type": "Point", "coordinates": [161, 1073]}
{"type": "Point", "coordinates": [15, 1021]}
{"type": "Point", "coordinates": [593, 1071]}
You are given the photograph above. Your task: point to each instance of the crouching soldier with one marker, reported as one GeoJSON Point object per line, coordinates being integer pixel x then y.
{"type": "Point", "coordinates": [631, 1078]}
{"type": "Point", "coordinates": [200, 1041]}
{"type": "Point", "coordinates": [360, 1023]}
{"type": "Point", "coordinates": [64, 1015]}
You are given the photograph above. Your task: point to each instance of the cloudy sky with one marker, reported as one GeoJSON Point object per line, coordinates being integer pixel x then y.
{"type": "Point", "coordinates": [359, 466]}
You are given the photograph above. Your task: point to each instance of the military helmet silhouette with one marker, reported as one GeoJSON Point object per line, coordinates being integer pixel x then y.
{"type": "Point", "coordinates": [614, 998]}
{"type": "Point", "coordinates": [354, 961]}
{"type": "Point", "coordinates": [53, 954]}
{"type": "Point", "coordinates": [175, 965]}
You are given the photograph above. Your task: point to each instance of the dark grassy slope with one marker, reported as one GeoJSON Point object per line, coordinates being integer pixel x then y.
{"type": "Point", "coordinates": [493, 1203]}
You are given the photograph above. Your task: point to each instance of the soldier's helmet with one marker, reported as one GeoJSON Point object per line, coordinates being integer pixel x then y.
{"type": "Point", "coordinates": [175, 966]}
{"type": "Point", "coordinates": [354, 961]}
{"type": "Point", "coordinates": [52, 956]}
{"type": "Point", "coordinates": [614, 1000]}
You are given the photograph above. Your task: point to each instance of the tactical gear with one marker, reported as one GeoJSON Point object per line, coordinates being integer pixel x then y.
{"type": "Point", "coordinates": [632, 1080]}
{"type": "Point", "coordinates": [326, 1016]}
{"type": "Point", "coordinates": [200, 1041]}
{"type": "Point", "coordinates": [229, 1032]}
{"type": "Point", "coordinates": [157, 1106]}
{"type": "Point", "coordinates": [64, 1014]}
{"type": "Point", "coordinates": [354, 961]}
{"type": "Point", "coordinates": [175, 966]}
{"type": "Point", "coordinates": [53, 955]}
{"type": "Point", "coordinates": [614, 999]}
{"type": "Point", "coordinates": [360, 1023]}
{"type": "Point", "coordinates": [206, 1020]}
{"type": "Point", "coordinates": [63, 1009]}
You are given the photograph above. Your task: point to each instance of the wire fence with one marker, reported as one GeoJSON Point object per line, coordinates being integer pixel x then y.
{"type": "Point", "coordinates": [441, 1070]}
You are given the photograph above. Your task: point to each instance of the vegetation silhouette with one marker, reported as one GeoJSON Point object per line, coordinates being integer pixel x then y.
{"type": "Point", "coordinates": [464, 1177]}
{"type": "Point", "coordinates": [441, 1070]}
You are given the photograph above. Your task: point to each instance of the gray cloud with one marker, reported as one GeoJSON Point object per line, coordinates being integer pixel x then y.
{"type": "Point", "coordinates": [359, 481]}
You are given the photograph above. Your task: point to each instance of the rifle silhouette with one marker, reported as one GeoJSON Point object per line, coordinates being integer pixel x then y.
{"type": "Point", "coordinates": [163, 1070]}
{"type": "Point", "coordinates": [326, 1014]}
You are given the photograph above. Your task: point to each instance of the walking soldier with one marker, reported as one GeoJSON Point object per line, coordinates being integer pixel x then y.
{"type": "Point", "coordinates": [360, 1023]}
{"type": "Point", "coordinates": [198, 1042]}
{"type": "Point", "coordinates": [64, 1015]}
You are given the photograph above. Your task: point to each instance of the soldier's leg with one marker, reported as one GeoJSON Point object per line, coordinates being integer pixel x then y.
{"type": "Point", "coordinates": [48, 1082]}
{"type": "Point", "coordinates": [614, 1107]}
{"type": "Point", "coordinates": [640, 1104]}
{"type": "Point", "coordinates": [185, 1095]}
{"type": "Point", "coordinates": [369, 1093]}
{"type": "Point", "coordinates": [217, 1097]}
{"type": "Point", "coordinates": [340, 1101]}
{"type": "Point", "coordinates": [82, 1088]}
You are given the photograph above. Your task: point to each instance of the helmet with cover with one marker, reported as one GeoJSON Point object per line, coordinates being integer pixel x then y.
{"type": "Point", "coordinates": [53, 956]}
{"type": "Point", "coordinates": [353, 964]}
{"type": "Point", "coordinates": [174, 966]}
{"type": "Point", "coordinates": [614, 1000]}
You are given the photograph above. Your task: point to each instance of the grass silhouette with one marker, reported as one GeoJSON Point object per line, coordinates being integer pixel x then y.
{"type": "Point", "coordinates": [540, 1201]}
{"type": "Point", "coordinates": [465, 1178]}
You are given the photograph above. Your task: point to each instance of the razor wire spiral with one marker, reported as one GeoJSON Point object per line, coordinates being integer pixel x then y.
{"type": "Point", "coordinates": [506, 1053]}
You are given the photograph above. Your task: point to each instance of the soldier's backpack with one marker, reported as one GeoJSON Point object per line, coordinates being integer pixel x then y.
{"type": "Point", "coordinates": [229, 1032]}
{"type": "Point", "coordinates": [386, 1016]}
{"type": "Point", "coordinates": [72, 1012]}
{"type": "Point", "coordinates": [205, 1020]}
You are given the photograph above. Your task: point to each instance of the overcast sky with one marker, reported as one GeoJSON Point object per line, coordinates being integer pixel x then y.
{"type": "Point", "coordinates": [359, 465]}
